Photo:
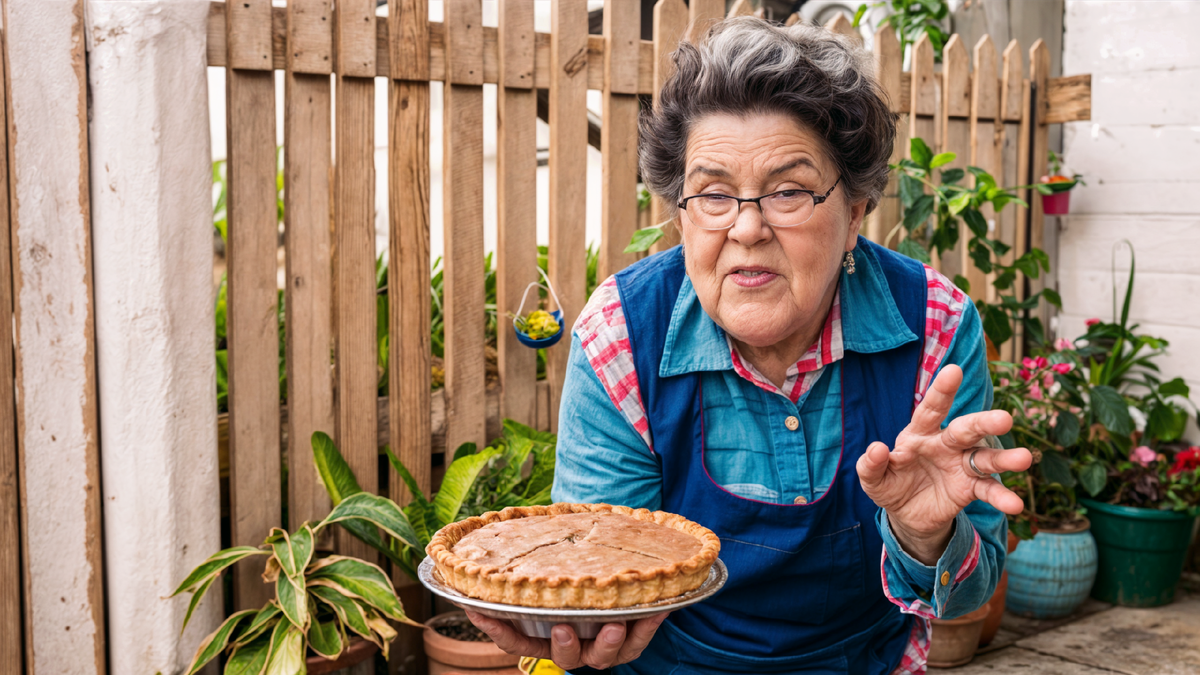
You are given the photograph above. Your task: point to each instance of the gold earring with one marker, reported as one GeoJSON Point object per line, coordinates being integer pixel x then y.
{"type": "Point", "coordinates": [848, 262]}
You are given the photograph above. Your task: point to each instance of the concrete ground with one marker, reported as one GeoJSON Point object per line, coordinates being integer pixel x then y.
{"type": "Point", "coordinates": [1099, 639]}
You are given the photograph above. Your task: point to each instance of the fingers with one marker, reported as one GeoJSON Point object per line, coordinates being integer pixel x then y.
{"type": "Point", "coordinates": [639, 636]}
{"type": "Point", "coordinates": [927, 418]}
{"type": "Point", "coordinates": [967, 431]}
{"type": "Point", "coordinates": [601, 653]}
{"type": "Point", "coordinates": [993, 492]}
{"type": "Point", "coordinates": [509, 640]}
{"type": "Point", "coordinates": [872, 465]}
{"type": "Point", "coordinates": [998, 461]}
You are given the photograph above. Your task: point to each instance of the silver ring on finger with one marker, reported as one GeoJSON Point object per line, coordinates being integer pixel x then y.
{"type": "Point", "coordinates": [971, 461]}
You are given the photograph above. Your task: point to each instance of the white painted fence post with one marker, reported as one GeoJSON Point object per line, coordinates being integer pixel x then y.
{"type": "Point", "coordinates": [152, 236]}
{"type": "Point", "coordinates": [56, 408]}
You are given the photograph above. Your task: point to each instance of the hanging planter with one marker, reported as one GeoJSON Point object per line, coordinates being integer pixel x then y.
{"type": "Point", "coordinates": [540, 329]}
{"type": "Point", "coordinates": [1056, 194]}
{"type": "Point", "coordinates": [1142, 552]}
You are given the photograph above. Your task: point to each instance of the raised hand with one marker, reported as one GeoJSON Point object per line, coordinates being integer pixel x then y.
{"type": "Point", "coordinates": [927, 479]}
{"type": "Point", "coordinates": [615, 644]}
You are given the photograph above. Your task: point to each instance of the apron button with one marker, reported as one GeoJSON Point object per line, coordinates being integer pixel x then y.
{"type": "Point", "coordinates": [791, 423]}
{"type": "Point", "coordinates": [800, 500]}
{"type": "Point", "coordinates": [945, 578]}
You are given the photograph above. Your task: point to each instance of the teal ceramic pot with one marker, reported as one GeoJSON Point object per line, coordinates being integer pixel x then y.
{"type": "Point", "coordinates": [1142, 552]}
{"type": "Point", "coordinates": [1051, 575]}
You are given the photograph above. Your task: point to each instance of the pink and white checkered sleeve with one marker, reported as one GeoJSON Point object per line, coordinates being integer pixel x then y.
{"type": "Point", "coordinates": [604, 337]}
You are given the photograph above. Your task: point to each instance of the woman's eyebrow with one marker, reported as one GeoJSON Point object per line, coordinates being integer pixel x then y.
{"type": "Point", "coordinates": [800, 161]}
{"type": "Point", "coordinates": [708, 171]}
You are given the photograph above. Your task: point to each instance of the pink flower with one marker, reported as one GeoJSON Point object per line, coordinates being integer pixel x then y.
{"type": "Point", "coordinates": [1035, 392]}
{"type": "Point", "coordinates": [1091, 322]}
{"type": "Point", "coordinates": [1063, 344]}
{"type": "Point", "coordinates": [1025, 375]}
{"type": "Point", "coordinates": [1041, 362]}
{"type": "Point", "coordinates": [1004, 382]}
{"type": "Point", "coordinates": [1063, 368]}
{"type": "Point", "coordinates": [1142, 455]}
{"type": "Point", "coordinates": [1034, 364]}
{"type": "Point", "coordinates": [1048, 380]}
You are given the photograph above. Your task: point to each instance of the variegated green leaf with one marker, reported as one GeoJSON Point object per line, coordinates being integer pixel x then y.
{"type": "Point", "coordinates": [287, 651]}
{"type": "Point", "coordinates": [332, 467]}
{"type": "Point", "coordinates": [383, 629]}
{"type": "Point", "coordinates": [405, 476]}
{"type": "Point", "coordinates": [351, 613]}
{"type": "Point", "coordinates": [216, 642]}
{"type": "Point", "coordinates": [250, 659]}
{"type": "Point", "coordinates": [195, 601]}
{"type": "Point", "coordinates": [325, 638]}
{"type": "Point", "coordinates": [263, 621]}
{"type": "Point", "coordinates": [304, 542]}
{"type": "Point", "coordinates": [281, 544]}
{"type": "Point", "coordinates": [362, 580]}
{"type": "Point", "coordinates": [292, 600]}
{"type": "Point", "coordinates": [378, 511]}
{"type": "Point", "coordinates": [215, 564]}
{"type": "Point", "coordinates": [457, 482]}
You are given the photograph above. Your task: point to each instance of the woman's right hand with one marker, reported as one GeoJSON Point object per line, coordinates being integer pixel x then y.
{"type": "Point", "coordinates": [613, 646]}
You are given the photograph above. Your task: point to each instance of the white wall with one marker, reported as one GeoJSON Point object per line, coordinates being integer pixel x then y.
{"type": "Point", "coordinates": [1140, 155]}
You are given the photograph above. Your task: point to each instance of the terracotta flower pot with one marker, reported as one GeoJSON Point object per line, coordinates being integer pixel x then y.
{"type": "Point", "coordinates": [360, 650]}
{"type": "Point", "coordinates": [954, 641]}
{"type": "Point", "coordinates": [996, 604]}
{"type": "Point", "coordinates": [447, 655]}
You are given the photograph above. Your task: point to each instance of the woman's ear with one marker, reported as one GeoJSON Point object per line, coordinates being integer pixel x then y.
{"type": "Point", "coordinates": [858, 212]}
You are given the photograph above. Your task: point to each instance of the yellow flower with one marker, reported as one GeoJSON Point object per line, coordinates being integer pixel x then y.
{"type": "Point", "coordinates": [541, 324]}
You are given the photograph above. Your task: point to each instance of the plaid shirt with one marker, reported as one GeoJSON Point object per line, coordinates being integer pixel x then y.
{"type": "Point", "coordinates": [602, 337]}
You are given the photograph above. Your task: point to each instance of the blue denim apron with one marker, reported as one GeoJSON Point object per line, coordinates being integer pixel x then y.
{"type": "Point", "coordinates": [804, 591]}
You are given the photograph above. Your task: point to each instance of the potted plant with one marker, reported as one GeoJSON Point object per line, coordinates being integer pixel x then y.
{"type": "Point", "coordinates": [517, 469]}
{"type": "Point", "coordinates": [1052, 568]}
{"type": "Point", "coordinates": [328, 611]}
{"type": "Point", "coordinates": [1055, 189]}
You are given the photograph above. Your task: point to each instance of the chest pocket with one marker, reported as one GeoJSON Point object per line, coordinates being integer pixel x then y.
{"type": "Point", "coordinates": [808, 585]}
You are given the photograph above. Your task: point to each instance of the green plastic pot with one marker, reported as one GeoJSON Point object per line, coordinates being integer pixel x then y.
{"type": "Point", "coordinates": [1142, 552]}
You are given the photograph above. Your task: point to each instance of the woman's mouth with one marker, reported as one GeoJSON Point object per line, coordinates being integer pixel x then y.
{"type": "Point", "coordinates": [751, 277]}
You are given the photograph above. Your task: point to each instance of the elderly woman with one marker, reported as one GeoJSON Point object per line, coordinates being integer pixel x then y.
{"type": "Point", "coordinates": [816, 400]}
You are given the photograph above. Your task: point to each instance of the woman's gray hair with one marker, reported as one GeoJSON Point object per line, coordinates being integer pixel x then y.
{"type": "Point", "coordinates": [746, 65]}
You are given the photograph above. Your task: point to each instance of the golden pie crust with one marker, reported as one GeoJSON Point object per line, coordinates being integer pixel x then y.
{"type": "Point", "coordinates": [587, 556]}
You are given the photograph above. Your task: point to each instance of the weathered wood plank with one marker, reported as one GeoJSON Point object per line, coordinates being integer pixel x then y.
{"type": "Point", "coordinates": [462, 162]}
{"type": "Point", "coordinates": [408, 42]}
{"type": "Point", "coordinates": [248, 37]}
{"type": "Point", "coordinates": [986, 135]}
{"type": "Point", "coordinates": [1039, 159]}
{"type": "Point", "coordinates": [953, 109]}
{"type": "Point", "coordinates": [1011, 79]}
{"type": "Point", "coordinates": [310, 37]}
{"type": "Point", "coordinates": [252, 331]}
{"type": "Point", "coordinates": [741, 8]}
{"type": "Point", "coordinates": [356, 39]}
{"type": "Point", "coordinates": [568, 175]}
{"type": "Point", "coordinates": [924, 94]}
{"type": "Point", "coordinates": [1069, 99]}
{"type": "Point", "coordinates": [703, 14]}
{"type": "Point", "coordinates": [11, 577]}
{"type": "Point", "coordinates": [619, 140]}
{"type": "Point", "coordinates": [841, 25]}
{"type": "Point", "coordinates": [670, 26]}
{"type": "Point", "coordinates": [516, 188]}
{"type": "Point", "coordinates": [309, 291]}
{"type": "Point", "coordinates": [889, 63]}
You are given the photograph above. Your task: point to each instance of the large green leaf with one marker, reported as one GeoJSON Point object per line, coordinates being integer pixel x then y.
{"type": "Point", "coordinates": [1175, 387]}
{"type": "Point", "coordinates": [292, 551]}
{"type": "Point", "coordinates": [250, 659]}
{"type": "Point", "coordinates": [216, 642]}
{"type": "Point", "coordinates": [919, 213]}
{"type": "Point", "coordinates": [263, 621]}
{"type": "Point", "coordinates": [292, 600]}
{"type": "Point", "coordinates": [287, 651]}
{"type": "Point", "coordinates": [911, 189]}
{"type": "Point", "coordinates": [1066, 428]}
{"type": "Point", "coordinates": [1056, 468]}
{"type": "Point", "coordinates": [332, 467]}
{"type": "Point", "coordinates": [542, 475]}
{"type": "Point", "coordinates": [215, 564]}
{"type": "Point", "coordinates": [912, 249]}
{"type": "Point", "coordinates": [644, 238]}
{"type": "Point", "coordinates": [407, 477]}
{"type": "Point", "coordinates": [1165, 422]}
{"type": "Point", "coordinates": [920, 153]}
{"type": "Point", "coordinates": [195, 601]}
{"type": "Point", "coordinates": [350, 613]}
{"type": "Point", "coordinates": [996, 325]}
{"type": "Point", "coordinates": [325, 638]}
{"type": "Point", "coordinates": [1111, 410]}
{"type": "Point", "coordinates": [1093, 477]}
{"type": "Point", "coordinates": [457, 482]}
{"type": "Point", "coordinates": [359, 579]}
{"type": "Point", "coordinates": [383, 629]}
{"type": "Point", "coordinates": [378, 511]}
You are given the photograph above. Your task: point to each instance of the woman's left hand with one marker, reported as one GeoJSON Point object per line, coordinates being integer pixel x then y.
{"type": "Point", "coordinates": [927, 479]}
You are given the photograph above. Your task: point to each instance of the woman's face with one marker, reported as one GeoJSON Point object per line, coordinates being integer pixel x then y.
{"type": "Point", "coordinates": [764, 285]}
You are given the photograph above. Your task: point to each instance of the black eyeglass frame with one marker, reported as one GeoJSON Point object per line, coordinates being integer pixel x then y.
{"type": "Point", "coordinates": [817, 198]}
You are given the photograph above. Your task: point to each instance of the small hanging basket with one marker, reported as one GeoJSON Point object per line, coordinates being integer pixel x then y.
{"type": "Point", "coordinates": [540, 343]}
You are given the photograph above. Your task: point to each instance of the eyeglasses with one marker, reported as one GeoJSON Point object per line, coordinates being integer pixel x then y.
{"type": "Point", "coordinates": [786, 208]}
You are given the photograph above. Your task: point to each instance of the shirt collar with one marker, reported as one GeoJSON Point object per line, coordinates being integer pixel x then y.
{"type": "Point", "coordinates": [870, 322]}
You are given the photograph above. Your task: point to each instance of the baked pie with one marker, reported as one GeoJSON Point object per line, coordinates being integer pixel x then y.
{"type": "Point", "coordinates": [593, 556]}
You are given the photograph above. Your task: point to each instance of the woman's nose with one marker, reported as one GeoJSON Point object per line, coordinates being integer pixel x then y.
{"type": "Point", "coordinates": [750, 228]}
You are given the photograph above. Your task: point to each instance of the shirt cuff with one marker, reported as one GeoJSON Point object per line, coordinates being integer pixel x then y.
{"type": "Point", "coordinates": [940, 580]}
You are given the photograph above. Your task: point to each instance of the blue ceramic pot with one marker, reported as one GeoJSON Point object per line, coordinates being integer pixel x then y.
{"type": "Point", "coordinates": [1051, 575]}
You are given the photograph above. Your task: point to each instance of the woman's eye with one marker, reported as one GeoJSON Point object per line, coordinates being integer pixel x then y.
{"type": "Point", "coordinates": [789, 194]}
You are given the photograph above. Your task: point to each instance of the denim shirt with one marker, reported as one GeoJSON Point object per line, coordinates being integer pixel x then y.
{"type": "Point", "coordinates": [603, 458]}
